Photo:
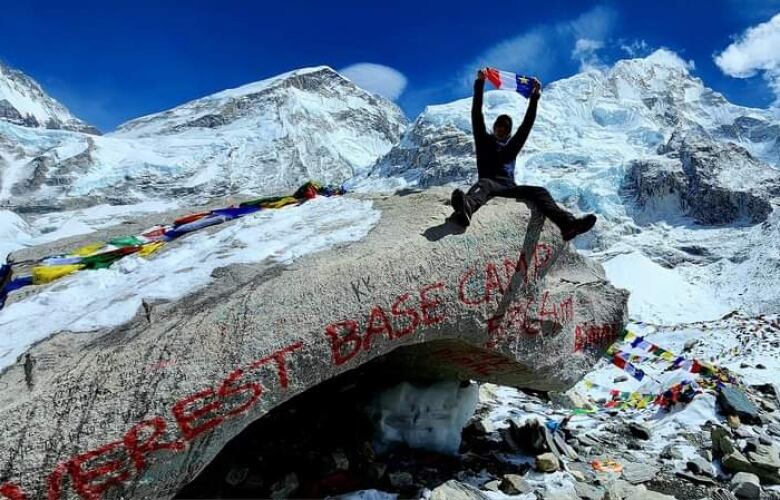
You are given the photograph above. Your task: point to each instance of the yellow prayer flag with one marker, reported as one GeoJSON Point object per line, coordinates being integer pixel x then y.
{"type": "Point", "coordinates": [46, 274]}
{"type": "Point", "coordinates": [282, 202]}
{"type": "Point", "coordinates": [88, 249]}
{"type": "Point", "coordinates": [149, 248]}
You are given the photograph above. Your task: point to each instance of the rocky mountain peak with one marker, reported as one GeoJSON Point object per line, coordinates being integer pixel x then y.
{"type": "Point", "coordinates": [24, 102]}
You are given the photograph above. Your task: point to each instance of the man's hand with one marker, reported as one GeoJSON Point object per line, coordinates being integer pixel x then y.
{"type": "Point", "coordinates": [536, 91]}
{"type": "Point", "coordinates": [481, 74]}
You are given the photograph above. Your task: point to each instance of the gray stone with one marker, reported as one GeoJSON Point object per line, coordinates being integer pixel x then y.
{"type": "Point", "coordinates": [227, 339]}
{"type": "Point", "coordinates": [765, 457]}
{"type": "Point", "coordinates": [455, 490]}
{"type": "Point", "coordinates": [492, 485]}
{"type": "Point", "coordinates": [765, 463]}
{"type": "Point", "coordinates": [736, 462]}
{"type": "Point", "coordinates": [586, 440]}
{"type": "Point", "coordinates": [722, 443]}
{"type": "Point", "coordinates": [563, 446]}
{"type": "Point", "coordinates": [547, 462]}
{"type": "Point", "coordinates": [566, 493]}
{"type": "Point", "coordinates": [582, 471]}
{"type": "Point", "coordinates": [733, 401]}
{"type": "Point", "coordinates": [746, 485]}
{"type": "Point", "coordinates": [589, 492]}
{"type": "Point", "coordinates": [746, 432]}
{"type": "Point", "coordinates": [639, 431]}
{"type": "Point", "coordinates": [622, 490]}
{"type": "Point", "coordinates": [636, 472]}
{"type": "Point", "coordinates": [721, 494]}
{"type": "Point", "coordinates": [696, 478]}
{"type": "Point", "coordinates": [701, 466]}
{"type": "Point", "coordinates": [513, 484]}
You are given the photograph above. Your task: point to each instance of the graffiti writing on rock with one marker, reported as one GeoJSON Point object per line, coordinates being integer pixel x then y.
{"type": "Point", "coordinates": [92, 473]}
{"type": "Point", "coordinates": [405, 316]}
{"type": "Point", "coordinates": [530, 316]}
{"type": "Point", "coordinates": [598, 337]}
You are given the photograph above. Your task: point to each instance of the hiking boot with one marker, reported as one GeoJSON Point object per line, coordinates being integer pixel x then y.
{"type": "Point", "coordinates": [578, 226]}
{"type": "Point", "coordinates": [461, 219]}
{"type": "Point", "coordinates": [462, 215]}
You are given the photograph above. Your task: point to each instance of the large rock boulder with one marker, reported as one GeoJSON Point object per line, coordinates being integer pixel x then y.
{"type": "Point", "coordinates": [137, 411]}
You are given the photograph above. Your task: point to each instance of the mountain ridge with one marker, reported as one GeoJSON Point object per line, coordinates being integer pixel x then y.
{"type": "Point", "coordinates": [263, 138]}
{"type": "Point", "coordinates": [24, 102]}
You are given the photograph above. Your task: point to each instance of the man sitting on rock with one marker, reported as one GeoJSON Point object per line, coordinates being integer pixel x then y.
{"type": "Point", "coordinates": [496, 154]}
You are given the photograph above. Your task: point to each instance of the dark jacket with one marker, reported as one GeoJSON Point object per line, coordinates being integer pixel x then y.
{"type": "Point", "coordinates": [495, 158]}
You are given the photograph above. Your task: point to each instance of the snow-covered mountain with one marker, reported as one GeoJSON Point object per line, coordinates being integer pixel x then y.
{"type": "Point", "coordinates": [594, 119]}
{"type": "Point", "coordinates": [680, 178]}
{"type": "Point", "coordinates": [262, 138]}
{"type": "Point", "coordinates": [23, 102]}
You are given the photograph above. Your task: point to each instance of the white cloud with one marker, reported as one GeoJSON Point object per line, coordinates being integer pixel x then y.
{"type": "Point", "coordinates": [596, 23]}
{"type": "Point", "coordinates": [635, 48]}
{"type": "Point", "coordinates": [377, 78]}
{"type": "Point", "coordinates": [586, 52]}
{"type": "Point", "coordinates": [756, 51]}
{"type": "Point", "coordinates": [666, 57]}
{"type": "Point", "coordinates": [538, 51]}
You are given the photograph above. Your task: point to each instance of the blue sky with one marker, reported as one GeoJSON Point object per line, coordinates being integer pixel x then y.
{"type": "Point", "coordinates": [113, 61]}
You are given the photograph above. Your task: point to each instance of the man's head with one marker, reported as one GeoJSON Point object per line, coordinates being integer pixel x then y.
{"type": "Point", "coordinates": [502, 127]}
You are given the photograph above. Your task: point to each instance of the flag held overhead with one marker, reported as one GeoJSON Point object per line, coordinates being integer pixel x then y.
{"type": "Point", "coordinates": [504, 80]}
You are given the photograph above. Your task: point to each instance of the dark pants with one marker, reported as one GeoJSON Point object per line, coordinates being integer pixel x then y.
{"type": "Point", "coordinates": [487, 188]}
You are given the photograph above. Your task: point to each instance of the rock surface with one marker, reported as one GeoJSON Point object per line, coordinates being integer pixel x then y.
{"type": "Point", "coordinates": [547, 462]}
{"type": "Point", "coordinates": [746, 485]}
{"type": "Point", "coordinates": [513, 484]}
{"type": "Point", "coordinates": [141, 409]}
{"type": "Point", "coordinates": [455, 490]}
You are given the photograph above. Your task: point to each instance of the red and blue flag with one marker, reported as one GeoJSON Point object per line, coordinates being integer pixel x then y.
{"type": "Point", "coordinates": [505, 80]}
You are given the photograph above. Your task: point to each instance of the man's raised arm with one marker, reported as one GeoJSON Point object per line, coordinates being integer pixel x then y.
{"type": "Point", "coordinates": [477, 120]}
{"type": "Point", "coordinates": [517, 141]}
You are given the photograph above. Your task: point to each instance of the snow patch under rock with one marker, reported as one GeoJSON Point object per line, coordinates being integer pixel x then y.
{"type": "Point", "coordinates": [425, 417]}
